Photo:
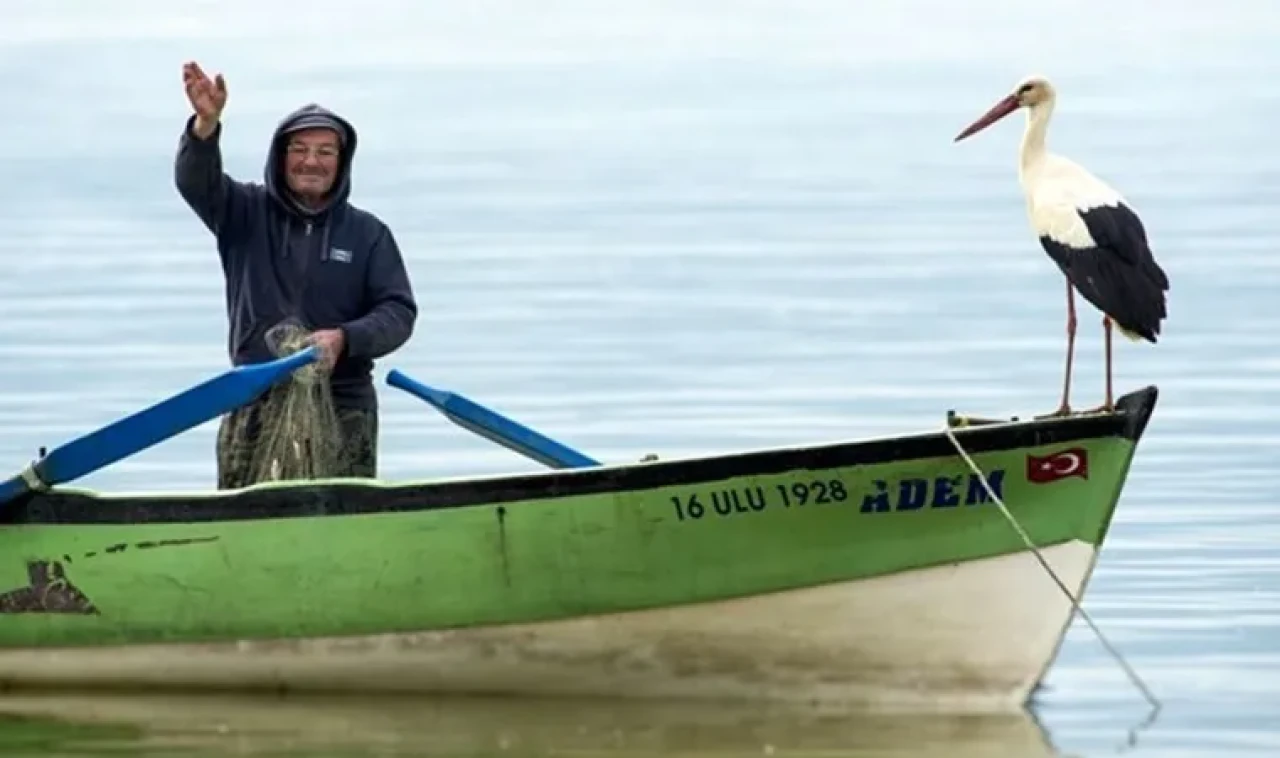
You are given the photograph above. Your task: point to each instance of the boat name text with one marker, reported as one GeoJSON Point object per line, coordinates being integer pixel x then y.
{"type": "Point", "coordinates": [917, 493]}
{"type": "Point", "coordinates": [886, 496]}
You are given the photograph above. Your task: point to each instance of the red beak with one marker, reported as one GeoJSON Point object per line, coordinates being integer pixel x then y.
{"type": "Point", "coordinates": [998, 111]}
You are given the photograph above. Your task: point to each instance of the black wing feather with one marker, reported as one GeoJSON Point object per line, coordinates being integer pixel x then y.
{"type": "Point", "coordinates": [1119, 275]}
{"type": "Point", "coordinates": [1118, 229]}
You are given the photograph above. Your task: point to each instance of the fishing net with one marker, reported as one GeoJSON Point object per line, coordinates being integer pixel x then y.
{"type": "Point", "coordinates": [298, 433]}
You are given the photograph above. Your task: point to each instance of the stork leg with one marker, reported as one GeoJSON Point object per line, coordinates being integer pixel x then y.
{"type": "Point", "coordinates": [1064, 409]}
{"type": "Point", "coordinates": [1109, 405]}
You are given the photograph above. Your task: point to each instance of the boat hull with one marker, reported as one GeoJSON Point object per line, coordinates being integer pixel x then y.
{"type": "Point", "coordinates": [971, 636]}
{"type": "Point", "coordinates": [881, 571]}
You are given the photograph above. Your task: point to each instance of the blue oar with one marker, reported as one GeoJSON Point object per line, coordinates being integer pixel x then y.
{"type": "Point", "coordinates": [492, 425]}
{"type": "Point", "coordinates": [131, 434]}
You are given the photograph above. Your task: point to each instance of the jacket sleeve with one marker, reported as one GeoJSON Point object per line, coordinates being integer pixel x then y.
{"type": "Point", "coordinates": [390, 319]}
{"type": "Point", "coordinates": [221, 202]}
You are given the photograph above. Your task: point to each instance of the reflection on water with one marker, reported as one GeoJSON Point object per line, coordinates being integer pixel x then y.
{"type": "Point", "coordinates": [55, 725]}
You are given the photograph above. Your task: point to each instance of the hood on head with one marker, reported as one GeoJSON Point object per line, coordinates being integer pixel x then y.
{"type": "Point", "coordinates": [307, 117]}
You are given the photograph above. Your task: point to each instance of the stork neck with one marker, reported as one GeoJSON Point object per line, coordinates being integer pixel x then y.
{"type": "Point", "coordinates": [1033, 136]}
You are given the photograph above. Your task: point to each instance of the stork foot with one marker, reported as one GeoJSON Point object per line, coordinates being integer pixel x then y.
{"type": "Point", "coordinates": [1104, 408]}
{"type": "Point", "coordinates": [1062, 411]}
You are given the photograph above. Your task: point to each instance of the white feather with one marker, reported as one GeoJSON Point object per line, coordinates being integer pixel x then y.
{"type": "Point", "coordinates": [1057, 190]}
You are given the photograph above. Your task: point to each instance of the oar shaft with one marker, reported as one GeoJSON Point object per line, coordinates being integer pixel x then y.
{"type": "Point", "coordinates": [492, 425]}
{"type": "Point", "coordinates": [167, 418]}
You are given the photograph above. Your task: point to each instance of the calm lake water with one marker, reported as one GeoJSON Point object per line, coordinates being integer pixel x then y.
{"type": "Point", "coordinates": [683, 227]}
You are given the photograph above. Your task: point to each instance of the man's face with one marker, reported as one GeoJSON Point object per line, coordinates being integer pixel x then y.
{"type": "Point", "coordinates": [311, 162]}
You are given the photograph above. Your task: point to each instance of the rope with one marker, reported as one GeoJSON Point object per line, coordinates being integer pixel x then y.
{"type": "Point", "coordinates": [33, 480]}
{"type": "Point", "coordinates": [1133, 675]}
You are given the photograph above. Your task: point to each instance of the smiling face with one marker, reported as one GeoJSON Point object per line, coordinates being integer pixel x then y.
{"type": "Point", "coordinates": [311, 160]}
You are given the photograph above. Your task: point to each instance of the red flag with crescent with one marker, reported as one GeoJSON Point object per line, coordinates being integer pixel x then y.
{"type": "Point", "coordinates": [1060, 465]}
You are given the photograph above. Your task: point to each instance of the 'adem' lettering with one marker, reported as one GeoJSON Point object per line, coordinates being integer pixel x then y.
{"type": "Point", "coordinates": [939, 492]}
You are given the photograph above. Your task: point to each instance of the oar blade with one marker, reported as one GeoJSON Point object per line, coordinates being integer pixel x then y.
{"type": "Point", "coordinates": [492, 425]}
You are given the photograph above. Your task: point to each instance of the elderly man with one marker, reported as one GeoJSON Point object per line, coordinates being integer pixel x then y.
{"type": "Point", "coordinates": [295, 249]}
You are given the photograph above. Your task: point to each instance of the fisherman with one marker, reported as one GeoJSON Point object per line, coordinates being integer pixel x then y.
{"type": "Point", "coordinates": [294, 247]}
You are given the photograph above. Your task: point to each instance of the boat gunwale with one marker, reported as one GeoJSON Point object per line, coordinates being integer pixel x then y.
{"type": "Point", "coordinates": [350, 497]}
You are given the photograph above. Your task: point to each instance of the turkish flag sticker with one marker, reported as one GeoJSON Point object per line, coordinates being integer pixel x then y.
{"type": "Point", "coordinates": [1060, 465]}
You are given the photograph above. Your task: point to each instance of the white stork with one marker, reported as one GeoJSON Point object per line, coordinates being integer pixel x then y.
{"type": "Point", "coordinates": [1087, 228]}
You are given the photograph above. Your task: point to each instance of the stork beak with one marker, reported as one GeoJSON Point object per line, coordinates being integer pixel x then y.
{"type": "Point", "coordinates": [998, 111]}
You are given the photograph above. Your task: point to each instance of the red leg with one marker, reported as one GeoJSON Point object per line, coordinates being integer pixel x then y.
{"type": "Point", "coordinates": [1109, 405]}
{"type": "Point", "coordinates": [1064, 408]}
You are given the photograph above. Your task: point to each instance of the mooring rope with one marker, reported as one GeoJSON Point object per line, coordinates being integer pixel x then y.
{"type": "Point", "coordinates": [1026, 539]}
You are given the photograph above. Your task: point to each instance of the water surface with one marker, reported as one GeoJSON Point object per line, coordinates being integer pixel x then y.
{"type": "Point", "coordinates": [690, 227]}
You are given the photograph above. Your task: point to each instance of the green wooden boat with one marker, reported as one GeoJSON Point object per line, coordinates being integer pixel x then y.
{"type": "Point", "coordinates": [873, 572]}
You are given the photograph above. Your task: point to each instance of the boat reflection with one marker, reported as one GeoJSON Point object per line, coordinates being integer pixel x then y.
{"type": "Point", "coordinates": [393, 726]}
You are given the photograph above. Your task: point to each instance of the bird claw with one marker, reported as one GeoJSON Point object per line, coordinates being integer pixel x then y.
{"type": "Point", "coordinates": [1063, 411]}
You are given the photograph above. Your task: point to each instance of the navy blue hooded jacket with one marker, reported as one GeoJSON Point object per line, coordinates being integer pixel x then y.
{"type": "Point", "coordinates": [336, 267]}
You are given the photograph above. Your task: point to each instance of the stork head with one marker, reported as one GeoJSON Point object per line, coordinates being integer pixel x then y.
{"type": "Point", "coordinates": [1032, 92]}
